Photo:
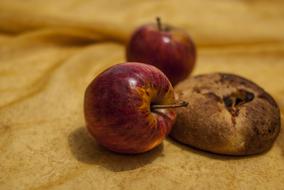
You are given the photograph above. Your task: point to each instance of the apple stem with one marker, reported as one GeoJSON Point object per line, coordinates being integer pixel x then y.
{"type": "Point", "coordinates": [159, 23]}
{"type": "Point", "coordinates": [177, 105]}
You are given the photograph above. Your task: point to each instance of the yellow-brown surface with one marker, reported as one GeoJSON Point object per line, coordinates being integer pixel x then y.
{"type": "Point", "coordinates": [51, 50]}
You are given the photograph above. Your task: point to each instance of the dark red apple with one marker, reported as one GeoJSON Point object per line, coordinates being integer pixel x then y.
{"type": "Point", "coordinates": [128, 107]}
{"type": "Point", "coordinates": [168, 48]}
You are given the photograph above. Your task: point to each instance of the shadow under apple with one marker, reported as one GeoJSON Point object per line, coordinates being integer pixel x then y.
{"type": "Point", "coordinates": [85, 149]}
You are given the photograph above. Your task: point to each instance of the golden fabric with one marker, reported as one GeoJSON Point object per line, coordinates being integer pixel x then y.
{"type": "Point", "coordinates": [51, 50]}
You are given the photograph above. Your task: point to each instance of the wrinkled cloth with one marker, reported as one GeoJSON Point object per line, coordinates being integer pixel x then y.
{"type": "Point", "coordinates": [51, 50]}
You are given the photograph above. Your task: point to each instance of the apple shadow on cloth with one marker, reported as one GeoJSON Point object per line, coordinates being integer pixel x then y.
{"type": "Point", "coordinates": [85, 149]}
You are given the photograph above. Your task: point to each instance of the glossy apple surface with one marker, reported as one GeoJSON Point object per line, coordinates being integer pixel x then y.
{"type": "Point", "coordinates": [118, 107]}
{"type": "Point", "coordinates": [168, 48]}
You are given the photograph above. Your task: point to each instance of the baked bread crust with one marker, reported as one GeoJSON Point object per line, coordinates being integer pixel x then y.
{"type": "Point", "coordinates": [227, 114]}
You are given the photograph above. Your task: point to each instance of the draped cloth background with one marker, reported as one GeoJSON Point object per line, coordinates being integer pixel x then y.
{"type": "Point", "coordinates": [50, 51]}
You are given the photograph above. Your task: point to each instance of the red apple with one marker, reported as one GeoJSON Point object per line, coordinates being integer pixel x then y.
{"type": "Point", "coordinates": [128, 107]}
{"type": "Point", "coordinates": [168, 48]}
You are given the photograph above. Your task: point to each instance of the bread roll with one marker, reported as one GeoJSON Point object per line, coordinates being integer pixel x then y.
{"type": "Point", "coordinates": [227, 114]}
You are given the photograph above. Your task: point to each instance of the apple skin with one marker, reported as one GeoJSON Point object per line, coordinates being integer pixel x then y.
{"type": "Point", "coordinates": [170, 49]}
{"type": "Point", "coordinates": [117, 107]}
